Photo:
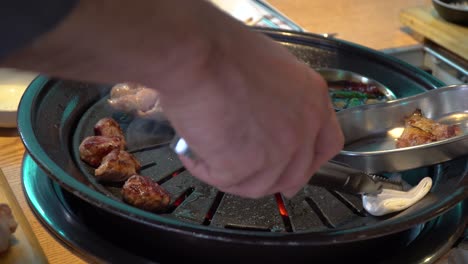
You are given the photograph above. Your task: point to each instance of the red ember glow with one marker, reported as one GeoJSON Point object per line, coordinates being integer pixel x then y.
{"type": "Point", "coordinates": [281, 206]}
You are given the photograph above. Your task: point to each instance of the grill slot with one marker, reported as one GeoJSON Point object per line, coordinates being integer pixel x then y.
{"type": "Point", "coordinates": [170, 176]}
{"type": "Point", "coordinates": [192, 197]}
{"type": "Point", "coordinates": [352, 202]}
{"type": "Point", "coordinates": [177, 185]}
{"type": "Point", "coordinates": [150, 147]}
{"type": "Point", "coordinates": [320, 213]}
{"type": "Point", "coordinates": [284, 213]}
{"type": "Point", "coordinates": [179, 200]}
{"type": "Point", "coordinates": [166, 163]}
{"type": "Point", "coordinates": [213, 208]}
{"type": "Point", "coordinates": [147, 166]}
{"type": "Point", "coordinates": [335, 211]}
{"type": "Point", "coordinates": [301, 215]}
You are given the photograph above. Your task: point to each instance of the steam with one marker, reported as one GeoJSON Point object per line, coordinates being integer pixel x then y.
{"type": "Point", "coordinates": [145, 132]}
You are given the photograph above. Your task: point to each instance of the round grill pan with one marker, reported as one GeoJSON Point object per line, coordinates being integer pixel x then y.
{"type": "Point", "coordinates": [73, 220]}
{"type": "Point", "coordinates": [55, 115]}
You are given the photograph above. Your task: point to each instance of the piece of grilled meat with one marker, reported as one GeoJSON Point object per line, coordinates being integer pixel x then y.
{"type": "Point", "coordinates": [108, 127]}
{"type": "Point", "coordinates": [144, 193]}
{"type": "Point", "coordinates": [421, 130]}
{"type": "Point", "coordinates": [8, 226]}
{"type": "Point", "coordinates": [93, 149]}
{"type": "Point", "coordinates": [117, 166]}
{"type": "Point", "coordinates": [413, 136]}
{"type": "Point", "coordinates": [138, 99]}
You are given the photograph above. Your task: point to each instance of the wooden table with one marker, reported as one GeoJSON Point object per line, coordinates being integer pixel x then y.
{"type": "Point", "coordinates": [374, 24]}
{"type": "Point", "coordinates": [11, 154]}
{"type": "Point", "coordinates": [426, 21]}
{"type": "Point", "coordinates": [367, 22]}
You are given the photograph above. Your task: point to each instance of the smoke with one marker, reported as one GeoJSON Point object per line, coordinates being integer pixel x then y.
{"type": "Point", "coordinates": [142, 132]}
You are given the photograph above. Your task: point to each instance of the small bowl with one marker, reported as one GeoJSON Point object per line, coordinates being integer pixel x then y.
{"type": "Point", "coordinates": [344, 86]}
{"type": "Point", "coordinates": [450, 11]}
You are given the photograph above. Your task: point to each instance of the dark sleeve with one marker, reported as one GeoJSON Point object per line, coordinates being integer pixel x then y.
{"type": "Point", "coordinates": [21, 21]}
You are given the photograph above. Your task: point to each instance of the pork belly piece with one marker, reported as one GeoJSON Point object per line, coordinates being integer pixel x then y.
{"type": "Point", "coordinates": [8, 226]}
{"type": "Point", "coordinates": [108, 127]}
{"type": "Point", "coordinates": [413, 136]}
{"type": "Point", "coordinates": [441, 131]}
{"type": "Point", "coordinates": [421, 130]}
{"type": "Point", "coordinates": [136, 98]}
{"type": "Point", "coordinates": [418, 120]}
{"type": "Point", "coordinates": [144, 193]}
{"type": "Point", "coordinates": [117, 166]}
{"type": "Point", "coordinates": [93, 149]}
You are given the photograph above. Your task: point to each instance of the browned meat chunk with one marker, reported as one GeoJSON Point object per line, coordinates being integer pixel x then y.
{"type": "Point", "coordinates": [8, 226]}
{"type": "Point", "coordinates": [440, 131]}
{"type": "Point", "coordinates": [136, 98]}
{"type": "Point", "coordinates": [413, 136]}
{"type": "Point", "coordinates": [421, 130]}
{"type": "Point", "coordinates": [144, 193]}
{"type": "Point", "coordinates": [108, 127]}
{"type": "Point", "coordinates": [93, 149]}
{"type": "Point", "coordinates": [117, 166]}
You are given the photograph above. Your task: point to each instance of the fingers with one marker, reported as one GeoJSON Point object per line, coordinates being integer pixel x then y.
{"type": "Point", "coordinates": [254, 187]}
{"type": "Point", "coordinates": [257, 183]}
{"type": "Point", "coordinates": [315, 148]}
{"type": "Point", "coordinates": [297, 173]}
{"type": "Point", "coordinates": [198, 169]}
{"type": "Point", "coordinates": [329, 142]}
{"type": "Point", "coordinates": [315, 151]}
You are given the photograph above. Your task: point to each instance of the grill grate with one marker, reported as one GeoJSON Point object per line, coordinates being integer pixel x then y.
{"type": "Point", "coordinates": [313, 209]}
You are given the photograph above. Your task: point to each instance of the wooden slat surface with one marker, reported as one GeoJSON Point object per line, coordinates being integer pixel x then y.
{"type": "Point", "coordinates": [11, 155]}
{"type": "Point", "coordinates": [24, 247]}
{"type": "Point", "coordinates": [427, 22]}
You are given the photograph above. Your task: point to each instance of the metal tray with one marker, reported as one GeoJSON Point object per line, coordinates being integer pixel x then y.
{"type": "Point", "coordinates": [371, 130]}
{"type": "Point", "coordinates": [339, 79]}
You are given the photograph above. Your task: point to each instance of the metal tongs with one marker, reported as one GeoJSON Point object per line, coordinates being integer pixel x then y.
{"type": "Point", "coordinates": [340, 177]}
{"type": "Point", "coordinates": [332, 175]}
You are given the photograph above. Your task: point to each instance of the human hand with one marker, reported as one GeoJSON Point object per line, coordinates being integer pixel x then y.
{"type": "Point", "coordinates": [259, 120]}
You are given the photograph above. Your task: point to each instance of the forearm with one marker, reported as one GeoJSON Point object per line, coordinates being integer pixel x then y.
{"type": "Point", "coordinates": [103, 41]}
{"type": "Point", "coordinates": [258, 119]}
